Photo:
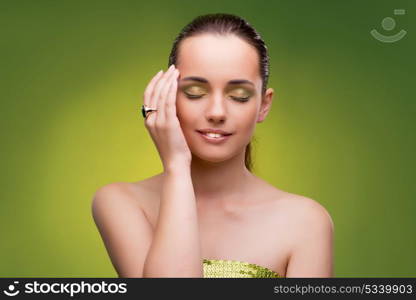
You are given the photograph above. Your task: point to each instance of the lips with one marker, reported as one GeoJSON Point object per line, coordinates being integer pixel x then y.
{"type": "Point", "coordinates": [214, 135]}
{"type": "Point", "coordinates": [214, 131]}
{"type": "Point", "coordinates": [214, 138]}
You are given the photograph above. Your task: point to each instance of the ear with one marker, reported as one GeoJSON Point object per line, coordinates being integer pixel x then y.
{"type": "Point", "coordinates": [265, 105]}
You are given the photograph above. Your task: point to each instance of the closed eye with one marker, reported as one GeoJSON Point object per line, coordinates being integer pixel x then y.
{"type": "Point", "coordinates": [193, 96]}
{"type": "Point", "coordinates": [241, 99]}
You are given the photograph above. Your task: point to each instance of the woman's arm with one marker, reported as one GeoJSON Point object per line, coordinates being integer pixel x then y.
{"type": "Point", "coordinates": [175, 250]}
{"type": "Point", "coordinates": [128, 235]}
{"type": "Point", "coordinates": [124, 228]}
{"type": "Point", "coordinates": [312, 255]}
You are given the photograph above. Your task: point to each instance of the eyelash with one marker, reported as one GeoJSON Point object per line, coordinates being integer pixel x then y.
{"type": "Point", "coordinates": [235, 98]}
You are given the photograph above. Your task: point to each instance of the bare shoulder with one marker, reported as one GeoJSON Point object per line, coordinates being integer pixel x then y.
{"type": "Point", "coordinates": [294, 214]}
{"type": "Point", "coordinates": [123, 226]}
{"type": "Point", "coordinates": [307, 210]}
{"type": "Point", "coordinates": [143, 194]}
{"type": "Point", "coordinates": [116, 196]}
{"type": "Point", "coordinates": [114, 188]}
{"type": "Point", "coordinates": [299, 213]}
{"type": "Point", "coordinates": [115, 192]}
{"type": "Point", "coordinates": [298, 206]}
{"type": "Point", "coordinates": [134, 193]}
{"type": "Point", "coordinates": [308, 220]}
{"type": "Point", "coordinates": [111, 199]}
{"type": "Point", "coordinates": [310, 241]}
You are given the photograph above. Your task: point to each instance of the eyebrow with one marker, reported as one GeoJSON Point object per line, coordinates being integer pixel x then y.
{"type": "Point", "coordinates": [203, 80]}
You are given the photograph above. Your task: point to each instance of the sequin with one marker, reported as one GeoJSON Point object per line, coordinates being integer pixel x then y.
{"type": "Point", "coordinates": [218, 268]}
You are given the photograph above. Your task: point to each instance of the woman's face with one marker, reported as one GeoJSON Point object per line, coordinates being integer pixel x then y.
{"type": "Point", "coordinates": [215, 102]}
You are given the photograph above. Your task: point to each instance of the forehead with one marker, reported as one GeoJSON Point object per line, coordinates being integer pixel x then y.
{"type": "Point", "coordinates": [218, 58]}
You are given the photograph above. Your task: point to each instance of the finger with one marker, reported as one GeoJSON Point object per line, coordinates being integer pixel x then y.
{"type": "Point", "coordinates": [162, 97]}
{"type": "Point", "coordinates": [149, 120]}
{"type": "Point", "coordinates": [149, 89]}
{"type": "Point", "coordinates": [155, 98]}
{"type": "Point", "coordinates": [170, 105]}
{"type": "Point", "coordinates": [161, 82]}
{"type": "Point", "coordinates": [165, 89]}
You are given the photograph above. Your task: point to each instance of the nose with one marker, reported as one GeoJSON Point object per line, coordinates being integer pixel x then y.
{"type": "Point", "coordinates": [216, 109]}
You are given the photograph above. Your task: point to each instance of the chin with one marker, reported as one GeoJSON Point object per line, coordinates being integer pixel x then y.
{"type": "Point", "coordinates": [211, 160]}
{"type": "Point", "coordinates": [213, 156]}
{"type": "Point", "coordinates": [213, 153]}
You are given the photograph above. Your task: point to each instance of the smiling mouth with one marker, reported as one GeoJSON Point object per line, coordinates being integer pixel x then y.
{"type": "Point", "coordinates": [213, 131]}
{"type": "Point", "coordinates": [214, 135]}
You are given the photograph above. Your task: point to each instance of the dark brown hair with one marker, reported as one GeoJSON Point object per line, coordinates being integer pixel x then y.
{"type": "Point", "coordinates": [224, 24]}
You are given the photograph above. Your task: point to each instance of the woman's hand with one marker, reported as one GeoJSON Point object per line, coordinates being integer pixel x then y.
{"type": "Point", "coordinates": [163, 124]}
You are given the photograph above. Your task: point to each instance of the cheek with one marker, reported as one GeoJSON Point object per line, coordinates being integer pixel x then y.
{"type": "Point", "coordinates": [182, 111]}
{"type": "Point", "coordinates": [248, 117]}
{"type": "Point", "coordinates": [188, 115]}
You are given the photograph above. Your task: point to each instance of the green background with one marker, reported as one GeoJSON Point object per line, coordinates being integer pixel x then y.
{"type": "Point", "coordinates": [341, 128]}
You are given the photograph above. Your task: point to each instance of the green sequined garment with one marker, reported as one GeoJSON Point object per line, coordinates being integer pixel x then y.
{"type": "Point", "coordinates": [235, 269]}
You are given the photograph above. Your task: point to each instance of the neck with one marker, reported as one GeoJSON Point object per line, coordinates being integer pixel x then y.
{"type": "Point", "coordinates": [218, 181]}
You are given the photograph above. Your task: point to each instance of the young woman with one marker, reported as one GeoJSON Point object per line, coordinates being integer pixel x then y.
{"type": "Point", "coordinates": [207, 214]}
